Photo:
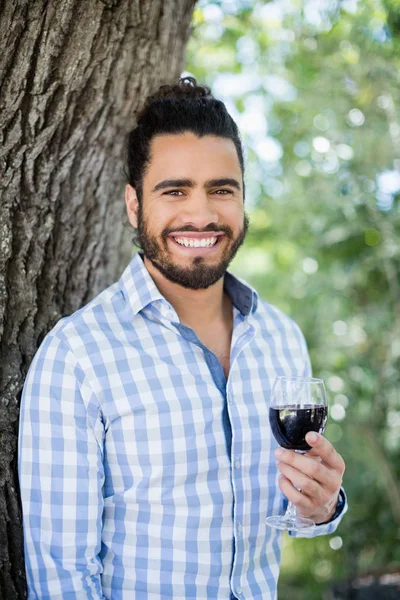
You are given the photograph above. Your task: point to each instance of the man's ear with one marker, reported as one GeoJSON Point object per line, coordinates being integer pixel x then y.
{"type": "Point", "coordinates": [132, 205]}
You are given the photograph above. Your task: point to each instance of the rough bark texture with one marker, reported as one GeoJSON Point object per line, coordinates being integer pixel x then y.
{"type": "Point", "coordinates": [72, 73]}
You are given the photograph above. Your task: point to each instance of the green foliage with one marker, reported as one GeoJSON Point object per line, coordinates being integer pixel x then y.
{"type": "Point", "coordinates": [314, 88]}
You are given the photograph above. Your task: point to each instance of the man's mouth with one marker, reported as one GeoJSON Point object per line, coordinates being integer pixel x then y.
{"type": "Point", "coordinates": [208, 240]}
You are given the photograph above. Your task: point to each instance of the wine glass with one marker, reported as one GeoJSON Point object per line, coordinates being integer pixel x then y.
{"type": "Point", "coordinates": [298, 405]}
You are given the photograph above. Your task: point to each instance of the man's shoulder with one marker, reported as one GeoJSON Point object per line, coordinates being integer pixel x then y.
{"type": "Point", "coordinates": [270, 311]}
{"type": "Point", "coordinates": [98, 315]}
{"type": "Point", "coordinates": [275, 322]}
{"type": "Point", "coordinates": [277, 327]}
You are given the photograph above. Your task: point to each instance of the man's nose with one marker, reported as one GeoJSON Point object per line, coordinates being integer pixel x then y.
{"type": "Point", "coordinates": [199, 210]}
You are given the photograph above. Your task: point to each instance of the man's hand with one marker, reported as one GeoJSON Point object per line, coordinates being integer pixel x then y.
{"type": "Point", "coordinates": [318, 474]}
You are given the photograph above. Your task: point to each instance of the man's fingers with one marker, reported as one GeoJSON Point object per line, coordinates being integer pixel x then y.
{"type": "Point", "coordinates": [317, 509]}
{"type": "Point", "coordinates": [323, 448]}
{"type": "Point", "coordinates": [311, 467]}
{"type": "Point", "coordinates": [319, 486]}
{"type": "Point", "coordinates": [299, 500]}
{"type": "Point", "coordinates": [308, 486]}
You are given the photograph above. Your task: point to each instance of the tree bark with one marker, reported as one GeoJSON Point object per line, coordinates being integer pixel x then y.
{"type": "Point", "coordinates": [72, 74]}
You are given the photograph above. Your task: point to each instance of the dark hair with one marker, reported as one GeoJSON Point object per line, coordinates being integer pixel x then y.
{"type": "Point", "coordinates": [174, 109]}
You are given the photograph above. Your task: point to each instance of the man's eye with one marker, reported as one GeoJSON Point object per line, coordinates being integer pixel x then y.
{"type": "Point", "coordinates": [180, 192]}
{"type": "Point", "coordinates": [173, 192]}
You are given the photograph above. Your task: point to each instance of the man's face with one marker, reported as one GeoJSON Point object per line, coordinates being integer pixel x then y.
{"type": "Point", "coordinates": [191, 219]}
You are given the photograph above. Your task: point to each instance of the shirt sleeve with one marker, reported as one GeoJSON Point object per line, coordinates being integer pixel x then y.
{"type": "Point", "coordinates": [61, 475]}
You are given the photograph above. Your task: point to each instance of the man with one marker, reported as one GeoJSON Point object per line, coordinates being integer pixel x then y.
{"type": "Point", "coordinates": [146, 461]}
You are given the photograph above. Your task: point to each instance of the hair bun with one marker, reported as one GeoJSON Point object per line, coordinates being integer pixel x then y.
{"type": "Point", "coordinates": [186, 87]}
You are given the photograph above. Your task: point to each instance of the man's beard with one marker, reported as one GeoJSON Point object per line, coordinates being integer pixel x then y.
{"type": "Point", "coordinates": [199, 275]}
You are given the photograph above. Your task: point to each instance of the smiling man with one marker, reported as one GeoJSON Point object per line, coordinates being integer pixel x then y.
{"type": "Point", "coordinates": [146, 460]}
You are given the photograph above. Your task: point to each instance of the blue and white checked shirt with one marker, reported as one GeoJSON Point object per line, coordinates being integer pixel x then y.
{"type": "Point", "coordinates": [144, 473]}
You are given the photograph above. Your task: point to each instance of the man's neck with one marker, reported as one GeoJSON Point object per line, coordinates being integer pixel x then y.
{"type": "Point", "coordinates": [195, 308]}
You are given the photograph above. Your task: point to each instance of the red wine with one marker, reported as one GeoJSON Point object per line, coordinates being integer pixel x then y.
{"type": "Point", "coordinates": [290, 424]}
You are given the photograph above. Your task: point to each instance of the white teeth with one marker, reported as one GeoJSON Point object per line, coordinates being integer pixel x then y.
{"type": "Point", "coordinates": [196, 243]}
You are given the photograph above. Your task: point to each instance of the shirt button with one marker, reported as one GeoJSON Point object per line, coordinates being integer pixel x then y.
{"type": "Point", "coordinates": [239, 591]}
{"type": "Point", "coordinates": [237, 463]}
{"type": "Point", "coordinates": [240, 528]}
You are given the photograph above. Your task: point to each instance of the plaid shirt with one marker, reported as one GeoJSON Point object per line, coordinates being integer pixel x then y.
{"type": "Point", "coordinates": [144, 473]}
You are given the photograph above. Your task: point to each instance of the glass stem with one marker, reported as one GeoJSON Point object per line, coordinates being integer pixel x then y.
{"type": "Point", "coordinates": [290, 511]}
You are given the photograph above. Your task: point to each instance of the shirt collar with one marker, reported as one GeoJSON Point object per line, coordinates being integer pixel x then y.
{"type": "Point", "coordinates": [139, 289]}
{"type": "Point", "coordinates": [243, 296]}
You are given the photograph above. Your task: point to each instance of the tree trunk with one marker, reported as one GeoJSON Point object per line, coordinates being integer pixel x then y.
{"type": "Point", "coordinates": [72, 74]}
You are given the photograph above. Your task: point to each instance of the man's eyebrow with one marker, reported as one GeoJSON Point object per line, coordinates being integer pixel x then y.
{"type": "Point", "coordinates": [223, 181]}
{"type": "Point", "coordinates": [176, 183]}
{"type": "Point", "coordinates": [173, 183]}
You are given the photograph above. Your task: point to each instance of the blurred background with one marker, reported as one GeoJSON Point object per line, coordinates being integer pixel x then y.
{"type": "Point", "coordinates": [314, 87]}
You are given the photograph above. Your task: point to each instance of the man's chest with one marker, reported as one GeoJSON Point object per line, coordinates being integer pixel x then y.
{"type": "Point", "coordinates": [219, 343]}
{"type": "Point", "coordinates": [153, 369]}
{"type": "Point", "coordinates": [163, 407]}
